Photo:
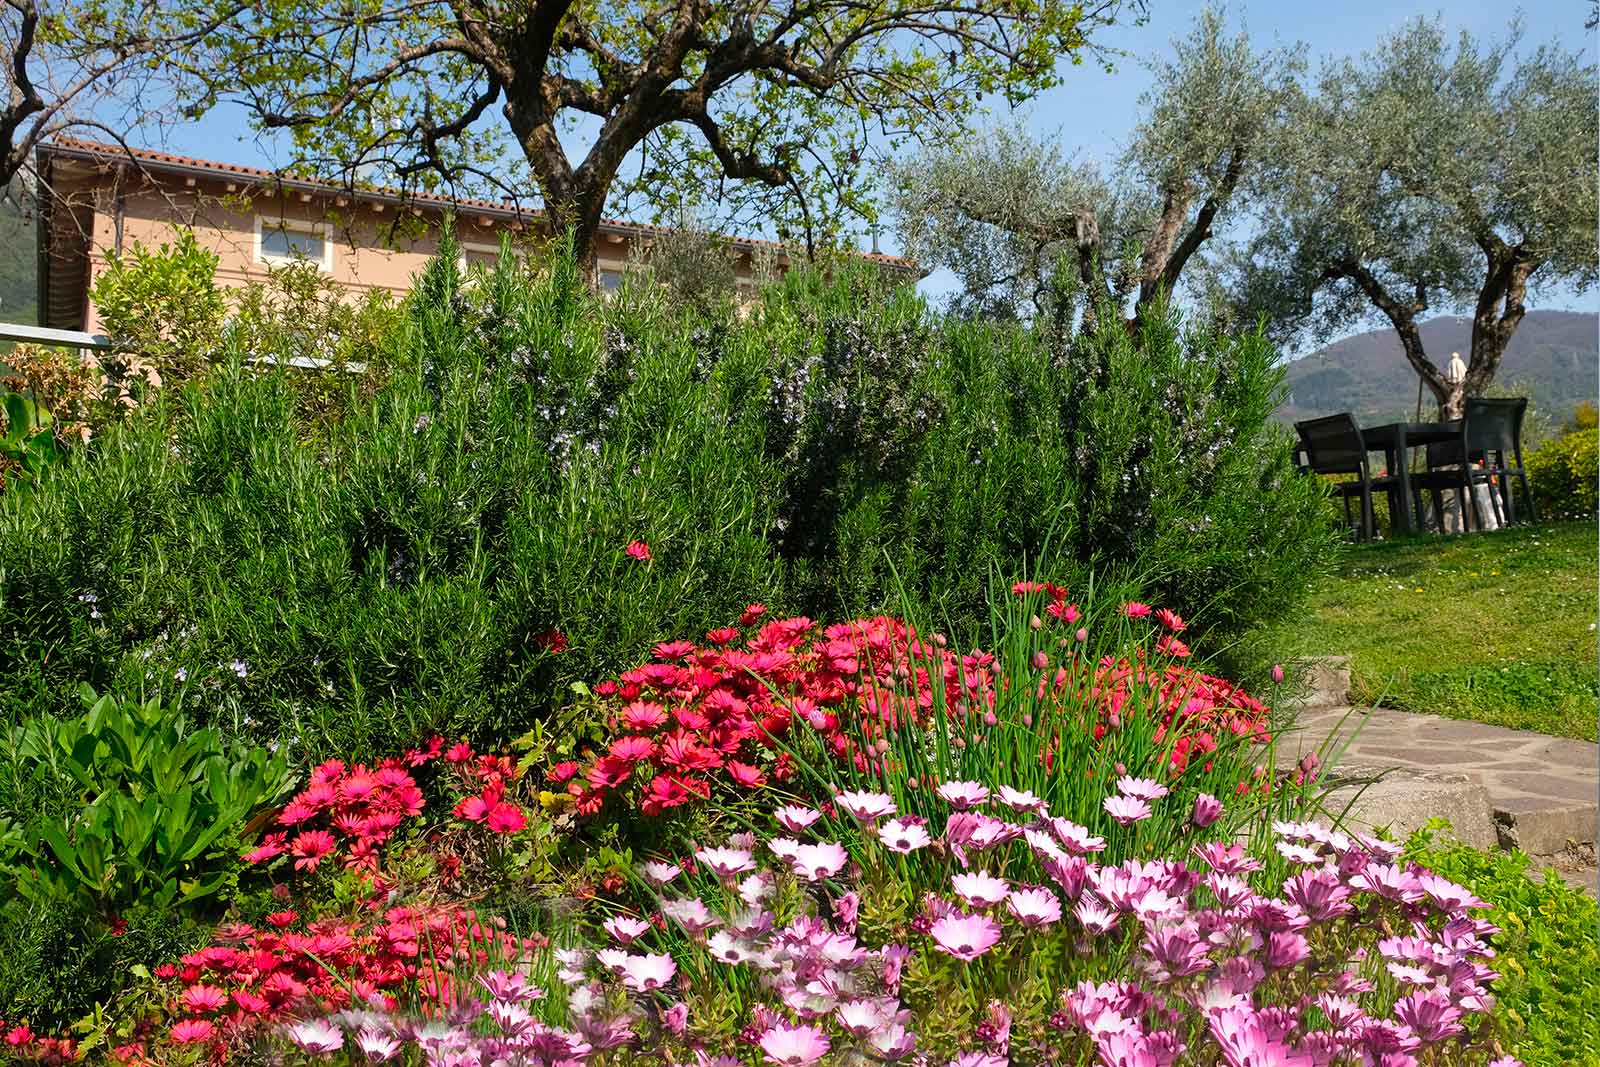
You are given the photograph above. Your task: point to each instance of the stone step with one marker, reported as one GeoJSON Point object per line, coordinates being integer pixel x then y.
{"type": "Point", "coordinates": [1503, 787]}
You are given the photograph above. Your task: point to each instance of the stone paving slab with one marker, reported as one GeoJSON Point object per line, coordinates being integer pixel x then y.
{"type": "Point", "coordinates": [1543, 792]}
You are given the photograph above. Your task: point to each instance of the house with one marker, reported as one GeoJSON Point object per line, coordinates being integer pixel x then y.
{"type": "Point", "coordinates": [98, 198]}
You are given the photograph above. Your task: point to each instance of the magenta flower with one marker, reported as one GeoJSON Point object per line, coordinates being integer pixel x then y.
{"type": "Point", "coordinates": [1095, 916]}
{"type": "Point", "coordinates": [1126, 810]}
{"type": "Point", "coordinates": [661, 873]}
{"type": "Point", "coordinates": [1430, 1015]}
{"type": "Point", "coordinates": [1076, 838]}
{"type": "Point", "coordinates": [892, 1042]}
{"type": "Point", "coordinates": [1285, 948]}
{"type": "Point", "coordinates": [690, 914]}
{"type": "Point", "coordinates": [1034, 906]}
{"type": "Point", "coordinates": [862, 1017]}
{"type": "Point", "coordinates": [649, 971]}
{"type": "Point", "coordinates": [726, 862]}
{"type": "Point", "coordinates": [1143, 788]}
{"type": "Point", "coordinates": [1245, 1040]}
{"type": "Point", "coordinates": [966, 937]}
{"type": "Point", "coordinates": [376, 1045]}
{"type": "Point", "coordinates": [1320, 894]}
{"type": "Point", "coordinates": [794, 1046]}
{"type": "Point", "coordinates": [1207, 810]}
{"type": "Point", "coordinates": [1021, 800]}
{"type": "Point", "coordinates": [796, 819]}
{"type": "Point", "coordinates": [866, 807]}
{"type": "Point", "coordinates": [979, 1059]}
{"type": "Point", "coordinates": [816, 862]}
{"type": "Point", "coordinates": [1447, 895]}
{"type": "Point", "coordinates": [638, 550]}
{"type": "Point", "coordinates": [190, 1031]}
{"type": "Point", "coordinates": [514, 986]}
{"type": "Point", "coordinates": [625, 928]}
{"type": "Point", "coordinates": [980, 889]}
{"type": "Point", "coordinates": [1135, 610]}
{"type": "Point", "coordinates": [963, 796]}
{"type": "Point", "coordinates": [904, 835]}
{"type": "Point", "coordinates": [315, 1035]}
{"type": "Point", "coordinates": [1390, 882]}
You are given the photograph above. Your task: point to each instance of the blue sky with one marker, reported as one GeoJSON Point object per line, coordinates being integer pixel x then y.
{"type": "Point", "coordinates": [1095, 111]}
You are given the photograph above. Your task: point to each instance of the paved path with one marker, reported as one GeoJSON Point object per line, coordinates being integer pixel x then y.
{"type": "Point", "coordinates": [1541, 792]}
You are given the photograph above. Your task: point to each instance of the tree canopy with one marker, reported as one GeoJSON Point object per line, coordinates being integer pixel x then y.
{"type": "Point", "coordinates": [1026, 228]}
{"type": "Point", "coordinates": [88, 65]}
{"type": "Point", "coordinates": [773, 109]}
{"type": "Point", "coordinates": [1430, 177]}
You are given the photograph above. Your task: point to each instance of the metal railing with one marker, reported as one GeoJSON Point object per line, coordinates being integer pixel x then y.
{"type": "Point", "coordinates": [99, 342]}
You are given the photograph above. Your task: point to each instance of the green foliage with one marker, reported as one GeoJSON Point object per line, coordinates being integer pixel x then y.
{"type": "Point", "coordinates": [1490, 627]}
{"type": "Point", "coordinates": [1178, 473]}
{"type": "Point", "coordinates": [163, 304]}
{"type": "Point", "coordinates": [777, 110]}
{"type": "Point", "coordinates": [1430, 174]}
{"type": "Point", "coordinates": [1563, 474]}
{"type": "Point", "coordinates": [448, 553]}
{"type": "Point", "coordinates": [1549, 991]}
{"type": "Point", "coordinates": [160, 808]}
{"type": "Point", "coordinates": [28, 446]}
{"type": "Point", "coordinates": [1025, 227]}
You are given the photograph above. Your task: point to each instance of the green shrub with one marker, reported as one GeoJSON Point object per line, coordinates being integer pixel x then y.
{"type": "Point", "coordinates": [1565, 475]}
{"type": "Point", "coordinates": [1549, 991]}
{"type": "Point", "coordinates": [448, 553]}
{"type": "Point", "coordinates": [163, 304]}
{"type": "Point", "coordinates": [155, 813]}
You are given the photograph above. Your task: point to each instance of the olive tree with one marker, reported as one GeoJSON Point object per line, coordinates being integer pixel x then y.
{"type": "Point", "coordinates": [776, 107]}
{"type": "Point", "coordinates": [1026, 227]}
{"type": "Point", "coordinates": [1429, 177]}
{"type": "Point", "coordinates": [88, 65]}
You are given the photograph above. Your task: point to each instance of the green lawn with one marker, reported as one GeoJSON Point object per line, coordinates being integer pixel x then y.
{"type": "Point", "coordinates": [1495, 627]}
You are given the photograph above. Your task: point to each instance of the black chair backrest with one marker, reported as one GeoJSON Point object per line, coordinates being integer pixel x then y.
{"type": "Point", "coordinates": [1333, 444]}
{"type": "Point", "coordinates": [1495, 425]}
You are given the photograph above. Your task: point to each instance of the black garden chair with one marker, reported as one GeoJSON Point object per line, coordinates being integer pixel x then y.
{"type": "Point", "coordinates": [1491, 442]}
{"type": "Point", "coordinates": [1333, 445]}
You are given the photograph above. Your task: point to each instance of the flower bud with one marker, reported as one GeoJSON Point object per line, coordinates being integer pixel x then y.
{"type": "Point", "coordinates": [1082, 635]}
{"type": "Point", "coordinates": [1277, 673]}
{"type": "Point", "coordinates": [1040, 660]}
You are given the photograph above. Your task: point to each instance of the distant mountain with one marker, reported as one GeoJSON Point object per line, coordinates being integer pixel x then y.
{"type": "Point", "coordinates": [1553, 358]}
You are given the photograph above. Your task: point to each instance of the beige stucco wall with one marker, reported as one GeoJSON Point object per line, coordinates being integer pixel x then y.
{"type": "Point", "coordinates": [372, 246]}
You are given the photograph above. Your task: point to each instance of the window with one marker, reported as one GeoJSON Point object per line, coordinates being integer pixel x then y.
{"type": "Point", "coordinates": [290, 240]}
{"type": "Point", "coordinates": [610, 281]}
{"type": "Point", "coordinates": [479, 254]}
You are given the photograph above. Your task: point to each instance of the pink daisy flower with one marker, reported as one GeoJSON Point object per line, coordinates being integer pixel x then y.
{"type": "Point", "coordinates": [963, 796]}
{"type": "Point", "coordinates": [966, 937]}
{"type": "Point", "coordinates": [816, 862]}
{"type": "Point", "coordinates": [649, 971]}
{"type": "Point", "coordinates": [794, 1046]}
{"type": "Point", "coordinates": [796, 819]}
{"type": "Point", "coordinates": [726, 862]}
{"type": "Point", "coordinates": [1143, 788]}
{"type": "Point", "coordinates": [980, 889]}
{"type": "Point", "coordinates": [1126, 810]}
{"type": "Point", "coordinates": [866, 807]}
{"type": "Point", "coordinates": [1034, 906]}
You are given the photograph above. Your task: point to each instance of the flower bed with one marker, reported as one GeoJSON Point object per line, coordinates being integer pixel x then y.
{"type": "Point", "coordinates": [798, 844]}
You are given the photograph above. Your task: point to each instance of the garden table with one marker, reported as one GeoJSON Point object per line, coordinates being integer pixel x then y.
{"type": "Point", "coordinates": [1394, 440]}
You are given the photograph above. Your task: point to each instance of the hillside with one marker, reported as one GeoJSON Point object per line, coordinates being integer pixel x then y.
{"type": "Point", "coordinates": [1553, 358]}
{"type": "Point", "coordinates": [17, 264]}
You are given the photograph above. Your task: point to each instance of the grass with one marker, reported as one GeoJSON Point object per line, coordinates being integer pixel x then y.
{"type": "Point", "coordinates": [1496, 627]}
